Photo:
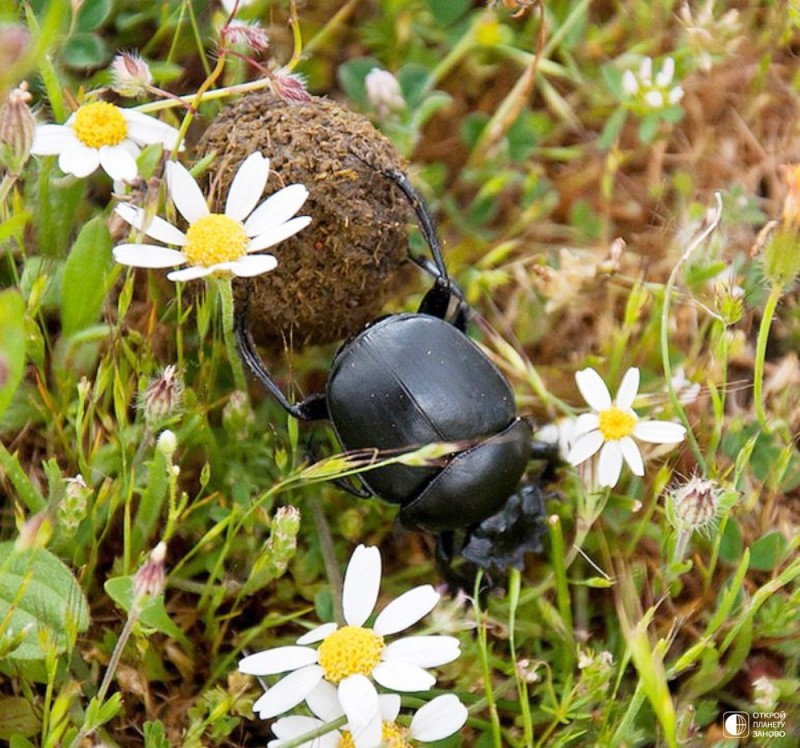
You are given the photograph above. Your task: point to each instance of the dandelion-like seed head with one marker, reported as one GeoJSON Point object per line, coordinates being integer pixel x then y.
{"type": "Point", "coordinates": [351, 650]}
{"type": "Point", "coordinates": [100, 123]}
{"type": "Point", "coordinates": [213, 239]}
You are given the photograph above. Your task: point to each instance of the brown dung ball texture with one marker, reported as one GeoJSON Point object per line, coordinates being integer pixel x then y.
{"type": "Point", "coordinates": [335, 275]}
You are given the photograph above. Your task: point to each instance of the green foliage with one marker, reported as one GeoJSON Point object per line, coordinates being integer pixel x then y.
{"type": "Point", "coordinates": [87, 276]}
{"type": "Point", "coordinates": [12, 344]}
{"type": "Point", "coordinates": [535, 154]}
{"type": "Point", "coordinates": [39, 596]}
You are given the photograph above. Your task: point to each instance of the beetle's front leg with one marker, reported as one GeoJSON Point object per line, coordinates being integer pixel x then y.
{"type": "Point", "coordinates": [313, 408]}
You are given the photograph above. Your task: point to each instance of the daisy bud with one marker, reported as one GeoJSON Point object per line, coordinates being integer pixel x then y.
{"type": "Point", "coordinates": [73, 507]}
{"type": "Point", "coordinates": [383, 92]}
{"type": "Point", "coordinates": [277, 552]}
{"type": "Point", "coordinates": [163, 397]}
{"type": "Point", "coordinates": [17, 129]}
{"type": "Point", "coordinates": [290, 87]}
{"type": "Point", "coordinates": [781, 257]}
{"type": "Point", "coordinates": [149, 580]}
{"type": "Point", "coordinates": [729, 302]}
{"type": "Point", "coordinates": [167, 443]}
{"type": "Point", "coordinates": [131, 74]}
{"type": "Point", "coordinates": [242, 34]}
{"type": "Point", "coordinates": [694, 505]}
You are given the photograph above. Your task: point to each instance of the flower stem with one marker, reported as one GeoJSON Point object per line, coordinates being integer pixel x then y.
{"type": "Point", "coordinates": [329, 558]}
{"type": "Point", "coordinates": [225, 289]}
{"type": "Point", "coordinates": [676, 404]}
{"type": "Point", "coordinates": [761, 352]}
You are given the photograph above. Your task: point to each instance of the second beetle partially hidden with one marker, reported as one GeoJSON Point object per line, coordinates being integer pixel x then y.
{"type": "Point", "coordinates": [407, 380]}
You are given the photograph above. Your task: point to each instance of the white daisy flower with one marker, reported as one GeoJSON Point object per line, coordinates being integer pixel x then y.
{"type": "Point", "coordinates": [101, 134]}
{"type": "Point", "coordinates": [612, 426]}
{"type": "Point", "coordinates": [438, 719]}
{"type": "Point", "coordinates": [216, 242]}
{"type": "Point", "coordinates": [655, 92]}
{"type": "Point", "coordinates": [352, 656]}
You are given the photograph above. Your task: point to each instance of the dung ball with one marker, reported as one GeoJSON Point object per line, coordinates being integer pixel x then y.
{"type": "Point", "coordinates": [334, 276]}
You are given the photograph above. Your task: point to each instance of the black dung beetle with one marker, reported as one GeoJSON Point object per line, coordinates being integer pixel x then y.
{"type": "Point", "coordinates": [408, 380]}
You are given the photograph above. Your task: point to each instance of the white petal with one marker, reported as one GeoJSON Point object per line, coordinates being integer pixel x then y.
{"type": "Point", "coordinates": [278, 234]}
{"type": "Point", "coordinates": [288, 692]}
{"type": "Point", "coordinates": [190, 273]}
{"type": "Point", "coordinates": [424, 651]}
{"type": "Point", "coordinates": [439, 718]}
{"type": "Point", "coordinates": [276, 209]}
{"type": "Point", "coordinates": [629, 83]}
{"type": "Point", "coordinates": [118, 163]}
{"type": "Point", "coordinates": [362, 582]}
{"type": "Point", "coordinates": [288, 728]}
{"type": "Point", "coordinates": [145, 130]}
{"type": "Point", "coordinates": [675, 95]}
{"type": "Point", "coordinates": [389, 704]}
{"type": "Point", "coordinates": [49, 140]}
{"type": "Point", "coordinates": [609, 466]}
{"type": "Point", "coordinates": [585, 423]}
{"type": "Point", "coordinates": [585, 447]}
{"type": "Point", "coordinates": [154, 227]}
{"type": "Point", "coordinates": [655, 99]}
{"type": "Point", "coordinates": [317, 634]}
{"type": "Point", "coordinates": [324, 701]}
{"type": "Point", "coordinates": [665, 75]}
{"type": "Point", "coordinates": [593, 389]}
{"type": "Point", "coordinates": [247, 187]}
{"type": "Point", "coordinates": [659, 432]}
{"type": "Point", "coordinates": [646, 70]}
{"type": "Point", "coordinates": [632, 455]}
{"type": "Point", "coordinates": [628, 388]}
{"type": "Point", "coordinates": [359, 699]}
{"type": "Point", "coordinates": [402, 676]}
{"type": "Point", "coordinates": [185, 193]}
{"type": "Point", "coordinates": [78, 159]}
{"type": "Point", "coordinates": [148, 256]}
{"type": "Point", "coordinates": [277, 660]}
{"type": "Point", "coordinates": [250, 265]}
{"type": "Point", "coordinates": [406, 610]}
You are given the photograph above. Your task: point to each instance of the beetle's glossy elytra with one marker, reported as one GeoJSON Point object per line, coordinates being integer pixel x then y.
{"type": "Point", "coordinates": [417, 379]}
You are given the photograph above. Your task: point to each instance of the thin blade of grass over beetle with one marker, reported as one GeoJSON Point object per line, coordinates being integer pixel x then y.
{"type": "Point", "coordinates": [359, 461]}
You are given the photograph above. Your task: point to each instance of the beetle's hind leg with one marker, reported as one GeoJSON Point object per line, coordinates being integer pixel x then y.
{"type": "Point", "coordinates": [313, 408]}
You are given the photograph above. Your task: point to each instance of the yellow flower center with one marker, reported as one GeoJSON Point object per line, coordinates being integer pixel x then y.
{"type": "Point", "coordinates": [393, 736]}
{"type": "Point", "coordinates": [100, 123]}
{"type": "Point", "coordinates": [616, 423]}
{"type": "Point", "coordinates": [213, 239]}
{"type": "Point", "coordinates": [351, 650]}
